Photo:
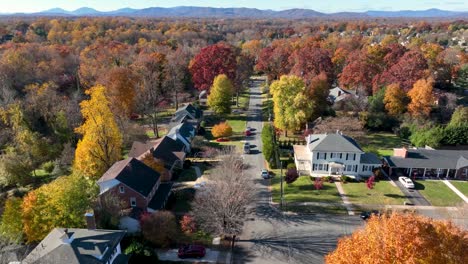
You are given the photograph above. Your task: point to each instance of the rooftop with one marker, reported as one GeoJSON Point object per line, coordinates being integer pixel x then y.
{"type": "Point", "coordinates": [431, 158]}
{"type": "Point", "coordinates": [160, 197]}
{"type": "Point", "coordinates": [333, 142]}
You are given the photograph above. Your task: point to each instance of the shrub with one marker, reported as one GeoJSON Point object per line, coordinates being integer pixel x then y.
{"type": "Point", "coordinates": [140, 253]}
{"type": "Point", "coordinates": [160, 228]}
{"type": "Point", "coordinates": [345, 178]}
{"type": "Point", "coordinates": [291, 176]}
{"type": "Point", "coordinates": [187, 224]}
{"type": "Point", "coordinates": [48, 166]}
{"type": "Point", "coordinates": [221, 130]}
{"type": "Point", "coordinates": [318, 183]}
{"type": "Point", "coordinates": [291, 166]}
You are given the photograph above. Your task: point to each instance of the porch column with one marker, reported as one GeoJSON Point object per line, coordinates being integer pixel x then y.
{"type": "Point", "coordinates": [446, 176]}
{"type": "Point", "coordinates": [329, 169]}
{"type": "Point", "coordinates": [438, 172]}
{"type": "Point", "coordinates": [409, 173]}
{"type": "Point", "coordinates": [424, 174]}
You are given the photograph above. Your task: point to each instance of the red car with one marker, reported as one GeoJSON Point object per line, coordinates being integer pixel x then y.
{"type": "Point", "coordinates": [248, 132]}
{"type": "Point", "coordinates": [191, 251]}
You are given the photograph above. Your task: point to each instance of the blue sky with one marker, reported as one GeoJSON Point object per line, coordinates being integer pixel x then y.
{"type": "Point", "coordinates": [8, 6]}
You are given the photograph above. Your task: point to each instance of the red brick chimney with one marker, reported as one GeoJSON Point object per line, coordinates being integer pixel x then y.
{"type": "Point", "coordinates": [400, 152]}
{"type": "Point", "coordinates": [90, 221]}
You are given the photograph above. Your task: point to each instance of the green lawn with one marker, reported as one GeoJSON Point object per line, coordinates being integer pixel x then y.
{"type": "Point", "coordinates": [462, 186]}
{"type": "Point", "coordinates": [303, 190]}
{"type": "Point", "coordinates": [238, 122]}
{"type": "Point", "coordinates": [381, 144]}
{"type": "Point", "coordinates": [382, 193]}
{"type": "Point", "coordinates": [437, 193]}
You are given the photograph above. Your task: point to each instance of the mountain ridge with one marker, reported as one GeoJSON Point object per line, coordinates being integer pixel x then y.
{"type": "Point", "coordinates": [241, 12]}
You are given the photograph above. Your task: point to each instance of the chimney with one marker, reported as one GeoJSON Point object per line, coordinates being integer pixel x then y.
{"type": "Point", "coordinates": [400, 152]}
{"type": "Point", "coordinates": [90, 221]}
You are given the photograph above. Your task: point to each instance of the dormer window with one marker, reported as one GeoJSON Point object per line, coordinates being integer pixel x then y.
{"type": "Point", "coordinates": [121, 189]}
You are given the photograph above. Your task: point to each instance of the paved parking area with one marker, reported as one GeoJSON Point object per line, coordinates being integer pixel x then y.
{"type": "Point", "coordinates": [212, 256]}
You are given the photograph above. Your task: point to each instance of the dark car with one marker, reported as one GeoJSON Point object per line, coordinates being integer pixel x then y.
{"type": "Point", "coordinates": [191, 251]}
{"type": "Point", "coordinates": [366, 214]}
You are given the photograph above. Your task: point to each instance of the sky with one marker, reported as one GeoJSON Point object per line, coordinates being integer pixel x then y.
{"type": "Point", "coordinates": [327, 6]}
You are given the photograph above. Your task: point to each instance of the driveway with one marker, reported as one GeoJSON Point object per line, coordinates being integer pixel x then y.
{"type": "Point", "coordinates": [412, 195]}
{"type": "Point", "coordinates": [212, 256]}
{"type": "Point", "coordinates": [271, 236]}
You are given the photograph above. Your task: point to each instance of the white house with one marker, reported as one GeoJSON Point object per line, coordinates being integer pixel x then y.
{"type": "Point", "coordinates": [333, 154]}
{"type": "Point", "coordinates": [184, 132]}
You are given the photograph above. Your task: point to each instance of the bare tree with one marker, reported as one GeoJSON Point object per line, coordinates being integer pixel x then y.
{"type": "Point", "coordinates": [350, 126]}
{"type": "Point", "coordinates": [221, 207]}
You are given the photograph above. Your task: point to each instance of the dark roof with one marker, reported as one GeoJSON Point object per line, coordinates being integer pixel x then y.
{"type": "Point", "coordinates": [189, 108]}
{"type": "Point", "coordinates": [166, 150]}
{"type": "Point", "coordinates": [186, 130]}
{"type": "Point", "coordinates": [73, 246]}
{"type": "Point", "coordinates": [431, 158]}
{"type": "Point", "coordinates": [160, 197]}
{"type": "Point", "coordinates": [333, 142]}
{"type": "Point", "coordinates": [370, 158]}
{"type": "Point", "coordinates": [139, 148]}
{"type": "Point", "coordinates": [133, 173]}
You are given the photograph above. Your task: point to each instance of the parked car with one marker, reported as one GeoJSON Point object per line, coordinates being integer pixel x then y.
{"type": "Point", "coordinates": [246, 148]}
{"type": "Point", "coordinates": [191, 251]}
{"type": "Point", "coordinates": [367, 214]}
{"type": "Point", "coordinates": [407, 182]}
{"type": "Point", "coordinates": [247, 132]}
{"type": "Point", "coordinates": [265, 174]}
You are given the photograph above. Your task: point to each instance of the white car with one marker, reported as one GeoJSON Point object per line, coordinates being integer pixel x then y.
{"type": "Point", "coordinates": [265, 174]}
{"type": "Point", "coordinates": [407, 182]}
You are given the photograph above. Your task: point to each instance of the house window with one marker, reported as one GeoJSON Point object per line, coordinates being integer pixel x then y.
{"type": "Point", "coordinates": [332, 155]}
{"type": "Point", "coordinates": [349, 167]}
{"type": "Point", "coordinates": [355, 168]}
{"type": "Point", "coordinates": [354, 156]}
{"type": "Point", "coordinates": [121, 189]}
{"type": "Point", "coordinates": [341, 155]}
{"type": "Point", "coordinates": [322, 155]}
{"type": "Point", "coordinates": [314, 167]}
{"type": "Point", "coordinates": [347, 156]}
{"type": "Point", "coordinates": [132, 201]}
{"type": "Point", "coordinates": [320, 167]}
{"type": "Point", "coordinates": [364, 167]}
{"type": "Point", "coordinates": [318, 155]}
{"type": "Point", "coordinates": [325, 167]}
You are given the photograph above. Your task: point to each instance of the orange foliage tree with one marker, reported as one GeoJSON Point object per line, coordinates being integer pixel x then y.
{"type": "Point", "coordinates": [221, 130]}
{"type": "Point", "coordinates": [395, 100]}
{"type": "Point", "coordinates": [403, 238]}
{"type": "Point", "coordinates": [157, 165]}
{"type": "Point", "coordinates": [422, 98]}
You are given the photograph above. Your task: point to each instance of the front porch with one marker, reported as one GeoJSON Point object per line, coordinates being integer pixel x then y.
{"type": "Point", "coordinates": [429, 173]}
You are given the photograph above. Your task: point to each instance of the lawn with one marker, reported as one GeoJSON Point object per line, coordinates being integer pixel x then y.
{"type": "Point", "coordinates": [238, 122]}
{"type": "Point", "coordinates": [381, 144]}
{"type": "Point", "coordinates": [437, 193]}
{"type": "Point", "coordinates": [303, 190]}
{"type": "Point", "coordinates": [462, 186]}
{"type": "Point", "coordinates": [383, 193]}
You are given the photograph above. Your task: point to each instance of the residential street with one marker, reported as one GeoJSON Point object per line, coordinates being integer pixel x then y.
{"type": "Point", "coordinates": [272, 237]}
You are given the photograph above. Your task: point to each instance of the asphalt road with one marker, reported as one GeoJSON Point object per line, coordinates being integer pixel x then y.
{"type": "Point", "coordinates": [412, 195]}
{"type": "Point", "coordinates": [271, 236]}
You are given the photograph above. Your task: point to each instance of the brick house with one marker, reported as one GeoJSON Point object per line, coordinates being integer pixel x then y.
{"type": "Point", "coordinates": [136, 186]}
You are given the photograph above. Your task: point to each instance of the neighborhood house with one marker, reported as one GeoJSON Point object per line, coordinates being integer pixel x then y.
{"type": "Point", "coordinates": [333, 154]}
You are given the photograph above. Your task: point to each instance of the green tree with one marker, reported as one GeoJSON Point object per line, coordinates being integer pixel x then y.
{"type": "Point", "coordinates": [292, 108]}
{"type": "Point", "coordinates": [220, 95]}
{"type": "Point", "coordinates": [11, 227]}
{"type": "Point", "coordinates": [431, 137]}
{"type": "Point", "coordinates": [461, 81]}
{"type": "Point", "coordinates": [459, 116]}
{"type": "Point", "coordinates": [101, 144]}
{"type": "Point", "coordinates": [269, 145]}
{"type": "Point", "coordinates": [456, 135]}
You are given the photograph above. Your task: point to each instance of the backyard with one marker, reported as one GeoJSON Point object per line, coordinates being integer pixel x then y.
{"type": "Point", "coordinates": [383, 193]}
{"type": "Point", "coordinates": [462, 186]}
{"type": "Point", "coordinates": [381, 144]}
{"type": "Point", "coordinates": [437, 193]}
{"type": "Point", "coordinates": [303, 190]}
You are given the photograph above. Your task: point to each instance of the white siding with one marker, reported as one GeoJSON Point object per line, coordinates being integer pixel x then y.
{"type": "Point", "coordinates": [105, 186]}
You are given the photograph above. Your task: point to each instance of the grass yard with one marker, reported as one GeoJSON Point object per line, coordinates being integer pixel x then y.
{"type": "Point", "coordinates": [381, 144]}
{"type": "Point", "coordinates": [303, 190]}
{"type": "Point", "coordinates": [437, 193]}
{"type": "Point", "coordinates": [311, 209]}
{"type": "Point", "coordinates": [383, 193]}
{"type": "Point", "coordinates": [462, 186]}
{"type": "Point", "coordinates": [238, 122]}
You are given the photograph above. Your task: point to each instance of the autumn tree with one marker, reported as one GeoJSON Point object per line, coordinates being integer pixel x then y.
{"type": "Point", "coordinates": [210, 62]}
{"type": "Point", "coordinates": [422, 98]}
{"type": "Point", "coordinates": [318, 92]}
{"type": "Point", "coordinates": [187, 224]}
{"type": "Point", "coordinates": [459, 116]}
{"type": "Point", "coordinates": [291, 175]}
{"type": "Point", "coordinates": [274, 60]}
{"type": "Point", "coordinates": [153, 71]}
{"type": "Point", "coordinates": [221, 130]}
{"type": "Point", "coordinates": [11, 227]}
{"type": "Point", "coordinates": [160, 228]}
{"type": "Point", "coordinates": [358, 73]}
{"type": "Point", "coordinates": [220, 95]}
{"type": "Point", "coordinates": [157, 165]}
{"type": "Point", "coordinates": [101, 144]}
{"type": "Point", "coordinates": [244, 70]}
{"type": "Point", "coordinates": [309, 61]}
{"type": "Point", "coordinates": [177, 71]}
{"type": "Point", "coordinates": [291, 107]}
{"type": "Point", "coordinates": [63, 202]}
{"type": "Point", "coordinates": [395, 100]}
{"type": "Point", "coordinates": [318, 183]}
{"type": "Point", "coordinates": [386, 240]}
{"type": "Point", "coordinates": [121, 84]}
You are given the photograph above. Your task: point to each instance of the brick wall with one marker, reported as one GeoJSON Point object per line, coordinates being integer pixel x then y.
{"type": "Point", "coordinates": [141, 201]}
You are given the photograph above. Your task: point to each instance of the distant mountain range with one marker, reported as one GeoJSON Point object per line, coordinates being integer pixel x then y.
{"type": "Point", "coordinates": [205, 12]}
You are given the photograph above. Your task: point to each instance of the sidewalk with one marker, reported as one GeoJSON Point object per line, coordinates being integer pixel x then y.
{"type": "Point", "coordinates": [455, 190]}
{"type": "Point", "coordinates": [345, 199]}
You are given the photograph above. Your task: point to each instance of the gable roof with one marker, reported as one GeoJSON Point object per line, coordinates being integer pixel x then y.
{"type": "Point", "coordinates": [333, 142]}
{"type": "Point", "coordinates": [370, 158]}
{"type": "Point", "coordinates": [431, 158]}
{"type": "Point", "coordinates": [186, 130]}
{"type": "Point", "coordinates": [169, 150]}
{"type": "Point", "coordinates": [189, 108]}
{"type": "Point", "coordinates": [161, 196]}
{"type": "Point", "coordinates": [139, 148]}
{"type": "Point", "coordinates": [133, 173]}
{"type": "Point", "coordinates": [74, 246]}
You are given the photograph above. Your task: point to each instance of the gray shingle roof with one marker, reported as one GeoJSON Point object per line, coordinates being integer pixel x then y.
{"type": "Point", "coordinates": [160, 197]}
{"type": "Point", "coordinates": [427, 158]}
{"type": "Point", "coordinates": [168, 150]}
{"type": "Point", "coordinates": [85, 247]}
{"type": "Point", "coordinates": [185, 130]}
{"type": "Point", "coordinates": [370, 158]}
{"type": "Point", "coordinates": [133, 173]}
{"type": "Point", "coordinates": [333, 142]}
{"type": "Point", "coordinates": [189, 108]}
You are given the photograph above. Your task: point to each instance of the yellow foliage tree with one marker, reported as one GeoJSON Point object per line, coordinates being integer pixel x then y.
{"type": "Point", "coordinates": [402, 238]}
{"type": "Point", "coordinates": [221, 130]}
{"type": "Point", "coordinates": [422, 98]}
{"type": "Point", "coordinates": [220, 95]}
{"type": "Point", "coordinates": [395, 100]}
{"type": "Point", "coordinates": [157, 165]}
{"type": "Point", "coordinates": [101, 144]}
